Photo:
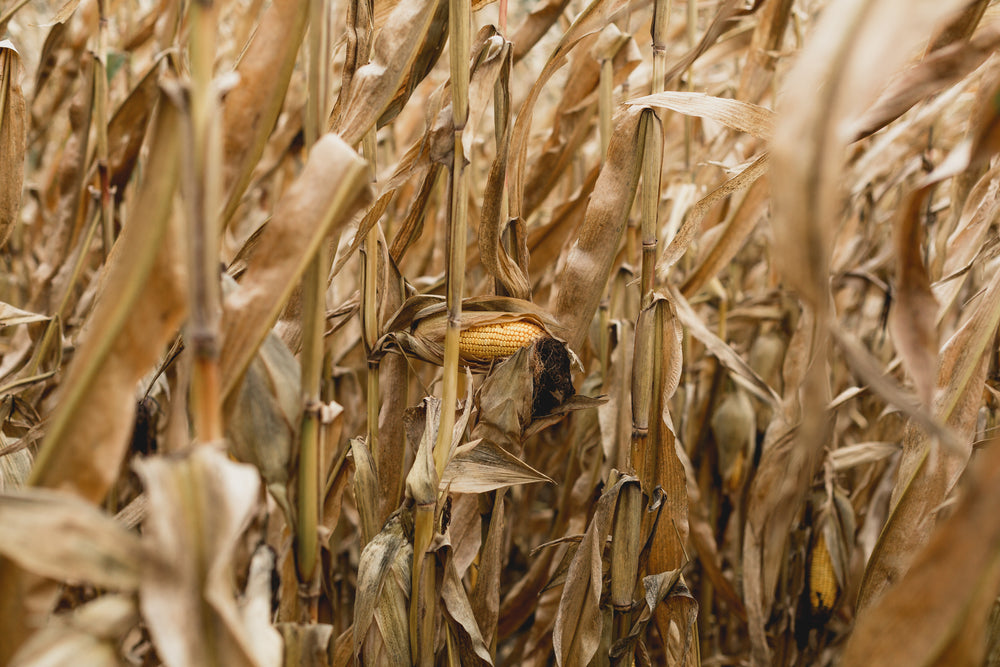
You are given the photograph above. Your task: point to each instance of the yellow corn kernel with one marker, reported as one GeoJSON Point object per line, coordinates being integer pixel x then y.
{"type": "Point", "coordinates": [822, 579]}
{"type": "Point", "coordinates": [495, 341]}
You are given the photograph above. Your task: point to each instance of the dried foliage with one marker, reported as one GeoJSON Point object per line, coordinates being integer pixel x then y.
{"type": "Point", "coordinates": [472, 333]}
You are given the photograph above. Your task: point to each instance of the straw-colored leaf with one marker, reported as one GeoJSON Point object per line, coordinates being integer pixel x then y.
{"type": "Point", "coordinates": [11, 316]}
{"type": "Point", "coordinates": [251, 108]}
{"type": "Point", "coordinates": [586, 267]}
{"type": "Point", "coordinates": [13, 136]}
{"type": "Point", "coordinates": [755, 120]}
{"type": "Point", "coordinates": [88, 635]}
{"type": "Point", "coordinates": [199, 507]}
{"type": "Point", "coordinates": [308, 212]}
{"type": "Point", "coordinates": [374, 84]}
{"type": "Point", "coordinates": [927, 470]}
{"type": "Point", "coordinates": [938, 70]}
{"type": "Point", "coordinates": [913, 319]}
{"type": "Point", "coordinates": [482, 466]}
{"type": "Point", "coordinates": [381, 610]}
{"type": "Point", "coordinates": [139, 309]}
{"type": "Point", "coordinates": [579, 621]}
{"type": "Point", "coordinates": [91, 547]}
{"type": "Point", "coordinates": [848, 51]}
{"type": "Point", "coordinates": [937, 613]}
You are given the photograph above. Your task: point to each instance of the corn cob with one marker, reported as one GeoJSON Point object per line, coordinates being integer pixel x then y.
{"type": "Point", "coordinates": [495, 341]}
{"type": "Point", "coordinates": [822, 579]}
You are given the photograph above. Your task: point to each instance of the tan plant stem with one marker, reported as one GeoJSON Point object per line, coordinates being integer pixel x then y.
{"type": "Point", "coordinates": [313, 324]}
{"type": "Point", "coordinates": [203, 196]}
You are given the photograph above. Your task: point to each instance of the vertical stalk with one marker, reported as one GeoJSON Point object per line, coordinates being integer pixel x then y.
{"type": "Point", "coordinates": [606, 103]}
{"type": "Point", "coordinates": [369, 315]}
{"type": "Point", "coordinates": [692, 35]}
{"type": "Point", "coordinates": [459, 36]}
{"type": "Point", "coordinates": [422, 595]}
{"type": "Point", "coordinates": [101, 113]}
{"type": "Point", "coordinates": [204, 187]}
{"type": "Point", "coordinates": [313, 324]}
{"type": "Point", "coordinates": [651, 167]}
{"type": "Point", "coordinates": [658, 31]}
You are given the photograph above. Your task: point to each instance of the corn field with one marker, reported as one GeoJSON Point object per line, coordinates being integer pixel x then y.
{"type": "Point", "coordinates": [492, 332]}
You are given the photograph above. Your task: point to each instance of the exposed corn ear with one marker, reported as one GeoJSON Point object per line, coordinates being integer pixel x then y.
{"type": "Point", "coordinates": [499, 340]}
{"type": "Point", "coordinates": [823, 586]}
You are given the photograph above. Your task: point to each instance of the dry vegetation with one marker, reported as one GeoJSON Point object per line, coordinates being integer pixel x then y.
{"type": "Point", "coordinates": [757, 237]}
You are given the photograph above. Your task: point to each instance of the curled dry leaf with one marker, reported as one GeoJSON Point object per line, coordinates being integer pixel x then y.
{"type": "Point", "coordinates": [579, 621]}
{"type": "Point", "coordinates": [13, 138]}
{"type": "Point", "coordinates": [141, 303]}
{"type": "Point", "coordinates": [56, 534]}
{"type": "Point", "coordinates": [89, 635]}
{"type": "Point", "coordinates": [381, 611]}
{"type": "Point", "coordinates": [309, 211]}
{"type": "Point", "coordinates": [199, 508]}
{"type": "Point", "coordinates": [251, 108]}
{"type": "Point", "coordinates": [927, 470]}
{"type": "Point", "coordinates": [937, 613]}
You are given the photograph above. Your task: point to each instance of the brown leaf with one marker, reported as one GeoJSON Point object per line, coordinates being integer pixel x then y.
{"type": "Point", "coordinates": [927, 470]}
{"type": "Point", "coordinates": [579, 285]}
{"type": "Point", "coordinates": [251, 108]}
{"type": "Point", "coordinates": [140, 306]}
{"type": "Point", "coordinates": [913, 318]}
{"type": "Point", "coordinates": [13, 138]}
{"type": "Point", "coordinates": [848, 51]}
{"type": "Point", "coordinates": [937, 614]}
{"type": "Point", "coordinates": [199, 507]}
{"type": "Point", "coordinates": [482, 466]}
{"type": "Point", "coordinates": [579, 621]}
{"type": "Point", "coordinates": [374, 84]}
{"type": "Point", "coordinates": [937, 71]}
{"type": "Point", "coordinates": [56, 534]}
{"type": "Point", "coordinates": [742, 116]}
{"type": "Point", "coordinates": [309, 211]}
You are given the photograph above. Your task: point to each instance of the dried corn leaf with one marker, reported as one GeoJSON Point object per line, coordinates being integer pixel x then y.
{"type": "Point", "coordinates": [89, 635]}
{"type": "Point", "coordinates": [11, 316]}
{"type": "Point", "coordinates": [458, 609]}
{"type": "Point", "coordinates": [264, 421]}
{"type": "Point", "coordinates": [847, 52]}
{"type": "Point", "coordinates": [139, 308]}
{"type": "Point", "coordinates": [742, 373]}
{"type": "Point", "coordinates": [927, 470]}
{"type": "Point", "coordinates": [393, 52]}
{"type": "Point", "coordinates": [13, 138]}
{"type": "Point", "coordinates": [310, 210]}
{"type": "Point", "coordinates": [938, 70]}
{"type": "Point", "coordinates": [592, 19]}
{"type": "Point", "coordinates": [937, 614]}
{"type": "Point", "coordinates": [579, 621]}
{"type": "Point", "coordinates": [680, 243]}
{"type": "Point", "coordinates": [742, 116]}
{"type": "Point", "coordinates": [381, 610]}
{"type": "Point", "coordinates": [579, 284]}
{"type": "Point", "coordinates": [90, 546]}
{"type": "Point", "coordinates": [250, 109]}
{"type": "Point", "coordinates": [481, 466]}
{"type": "Point", "coordinates": [913, 318]}
{"type": "Point", "coordinates": [778, 491]}
{"type": "Point", "coordinates": [199, 508]}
